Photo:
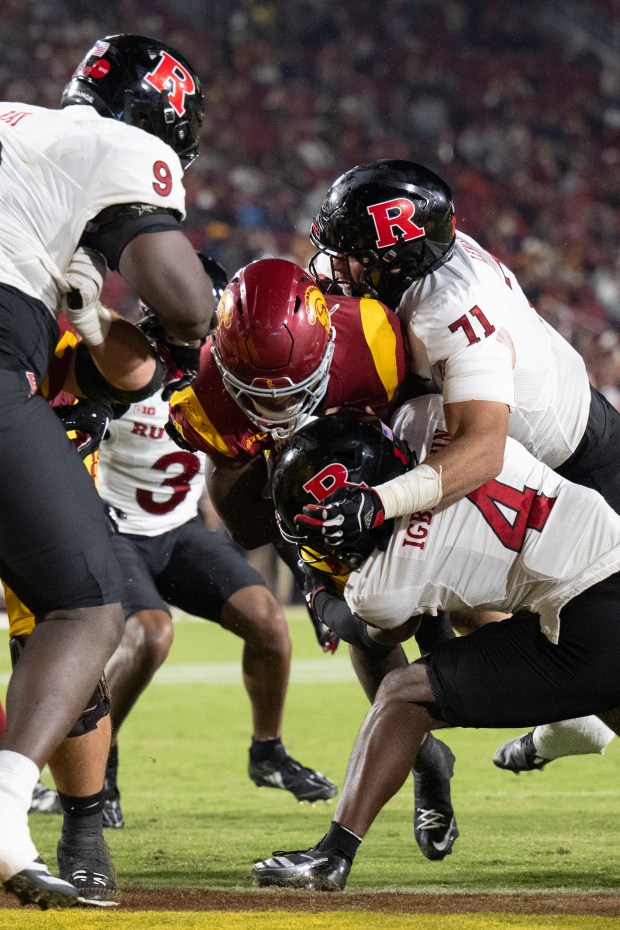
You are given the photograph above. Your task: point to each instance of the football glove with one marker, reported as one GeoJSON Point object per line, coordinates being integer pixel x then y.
{"type": "Point", "coordinates": [80, 288]}
{"type": "Point", "coordinates": [89, 420]}
{"type": "Point", "coordinates": [180, 360]}
{"type": "Point", "coordinates": [343, 519]}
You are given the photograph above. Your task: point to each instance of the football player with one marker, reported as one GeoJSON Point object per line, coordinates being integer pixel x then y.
{"type": "Point", "coordinates": [100, 176]}
{"type": "Point", "coordinates": [527, 542]}
{"type": "Point", "coordinates": [283, 352]}
{"type": "Point", "coordinates": [388, 228]}
{"type": "Point", "coordinates": [169, 557]}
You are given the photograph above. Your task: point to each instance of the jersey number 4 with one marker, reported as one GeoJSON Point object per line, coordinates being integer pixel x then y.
{"type": "Point", "coordinates": [510, 512]}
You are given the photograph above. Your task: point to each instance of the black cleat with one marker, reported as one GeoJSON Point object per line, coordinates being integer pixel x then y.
{"type": "Point", "coordinates": [434, 823]}
{"type": "Point", "coordinates": [281, 771]}
{"type": "Point", "coordinates": [91, 872]}
{"type": "Point", "coordinates": [519, 755]}
{"type": "Point", "coordinates": [313, 869]}
{"type": "Point", "coordinates": [45, 800]}
{"type": "Point", "coordinates": [112, 814]}
{"type": "Point", "coordinates": [37, 886]}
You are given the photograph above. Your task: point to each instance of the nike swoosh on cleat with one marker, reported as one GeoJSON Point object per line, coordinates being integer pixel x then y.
{"type": "Point", "coordinates": [445, 843]}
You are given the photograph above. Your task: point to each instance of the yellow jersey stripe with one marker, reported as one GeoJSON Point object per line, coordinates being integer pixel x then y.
{"type": "Point", "coordinates": [381, 341]}
{"type": "Point", "coordinates": [196, 417]}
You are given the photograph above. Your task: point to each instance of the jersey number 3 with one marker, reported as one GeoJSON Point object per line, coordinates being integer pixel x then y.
{"type": "Point", "coordinates": [179, 483]}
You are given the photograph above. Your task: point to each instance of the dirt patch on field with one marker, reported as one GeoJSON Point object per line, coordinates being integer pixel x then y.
{"type": "Point", "coordinates": [144, 899]}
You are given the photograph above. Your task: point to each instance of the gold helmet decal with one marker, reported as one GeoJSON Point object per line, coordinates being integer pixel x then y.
{"type": "Point", "coordinates": [225, 310]}
{"type": "Point", "coordinates": [316, 308]}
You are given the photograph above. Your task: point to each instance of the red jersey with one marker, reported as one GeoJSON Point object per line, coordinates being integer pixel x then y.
{"type": "Point", "coordinates": [368, 366]}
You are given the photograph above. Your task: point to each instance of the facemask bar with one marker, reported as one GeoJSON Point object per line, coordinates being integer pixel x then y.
{"type": "Point", "coordinates": [305, 396]}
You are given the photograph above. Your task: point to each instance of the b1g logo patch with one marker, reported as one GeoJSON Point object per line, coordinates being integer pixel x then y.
{"type": "Point", "coordinates": [171, 76]}
{"type": "Point", "coordinates": [393, 221]}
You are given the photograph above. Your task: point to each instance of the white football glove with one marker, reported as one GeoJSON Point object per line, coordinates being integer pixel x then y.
{"type": "Point", "coordinates": [81, 286]}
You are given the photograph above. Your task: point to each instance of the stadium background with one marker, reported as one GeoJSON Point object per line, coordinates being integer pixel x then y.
{"type": "Point", "coordinates": [516, 103]}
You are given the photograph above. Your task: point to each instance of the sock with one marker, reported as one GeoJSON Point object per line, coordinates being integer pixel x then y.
{"type": "Point", "coordinates": [111, 768]}
{"type": "Point", "coordinates": [263, 749]}
{"type": "Point", "coordinates": [82, 823]}
{"type": "Point", "coordinates": [340, 840]}
{"type": "Point", "coordinates": [576, 737]}
{"type": "Point", "coordinates": [18, 776]}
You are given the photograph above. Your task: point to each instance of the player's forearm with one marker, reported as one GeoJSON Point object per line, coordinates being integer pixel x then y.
{"type": "Point", "coordinates": [165, 271]}
{"type": "Point", "coordinates": [444, 477]}
{"type": "Point", "coordinates": [124, 359]}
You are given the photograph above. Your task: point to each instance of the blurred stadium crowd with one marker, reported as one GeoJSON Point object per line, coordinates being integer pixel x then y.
{"type": "Point", "coordinates": [521, 119]}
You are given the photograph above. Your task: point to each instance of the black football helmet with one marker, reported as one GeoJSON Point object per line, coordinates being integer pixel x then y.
{"type": "Point", "coordinates": [145, 83]}
{"type": "Point", "coordinates": [345, 448]}
{"type": "Point", "coordinates": [394, 217]}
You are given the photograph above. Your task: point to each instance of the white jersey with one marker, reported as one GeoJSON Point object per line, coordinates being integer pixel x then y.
{"type": "Point", "coordinates": [465, 321]}
{"type": "Point", "coordinates": [527, 540]}
{"type": "Point", "coordinates": [154, 485]}
{"type": "Point", "coordinates": [58, 170]}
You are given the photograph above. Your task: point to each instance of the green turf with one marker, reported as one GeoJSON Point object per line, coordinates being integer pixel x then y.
{"type": "Point", "coordinates": [194, 819]}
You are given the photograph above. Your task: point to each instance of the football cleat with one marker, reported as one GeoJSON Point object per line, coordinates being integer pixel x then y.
{"type": "Point", "coordinates": [519, 755]}
{"type": "Point", "coordinates": [45, 800]}
{"type": "Point", "coordinates": [313, 869]}
{"type": "Point", "coordinates": [91, 872]}
{"type": "Point", "coordinates": [434, 823]}
{"type": "Point", "coordinates": [112, 814]}
{"type": "Point", "coordinates": [35, 885]}
{"type": "Point", "coordinates": [281, 771]}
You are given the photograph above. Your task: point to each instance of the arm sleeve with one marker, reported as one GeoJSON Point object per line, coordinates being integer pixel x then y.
{"type": "Point", "coordinates": [338, 617]}
{"type": "Point", "coordinates": [480, 372]}
{"type": "Point", "coordinates": [114, 228]}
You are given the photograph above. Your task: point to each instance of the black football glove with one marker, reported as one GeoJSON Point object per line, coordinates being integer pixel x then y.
{"type": "Point", "coordinates": [181, 362]}
{"type": "Point", "coordinates": [219, 276]}
{"type": "Point", "coordinates": [314, 581]}
{"type": "Point", "coordinates": [343, 519]}
{"type": "Point", "coordinates": [89, 420]}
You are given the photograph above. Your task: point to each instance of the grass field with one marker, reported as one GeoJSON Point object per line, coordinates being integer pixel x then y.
{"type": "Point", "coordinates": [194, 819]}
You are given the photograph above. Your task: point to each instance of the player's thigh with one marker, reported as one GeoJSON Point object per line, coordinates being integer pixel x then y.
{"type": "Point", "coordinates": [139, 588]}
{"type": "Point", "coordinates": [55, 551]}
{"type": "Point", "coordinates": [509, 674]}
{"type": "Point", "coordinates": [204, 571]}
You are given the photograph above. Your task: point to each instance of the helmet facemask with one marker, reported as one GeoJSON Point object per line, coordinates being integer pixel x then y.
{"type": "Point", "coordinates": [279, 406]}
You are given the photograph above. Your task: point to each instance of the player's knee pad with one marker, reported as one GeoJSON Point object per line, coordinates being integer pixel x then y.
{"type": "Point", "coordinates": [98, 707]}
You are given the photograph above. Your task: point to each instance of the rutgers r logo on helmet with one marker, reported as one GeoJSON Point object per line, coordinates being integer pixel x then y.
{"type": "Point", "coordinates": [169, 75]}
{"type": "Point", "coordinates": [144, 83]}
{"type": "Point", "coordinates": [393, 221]}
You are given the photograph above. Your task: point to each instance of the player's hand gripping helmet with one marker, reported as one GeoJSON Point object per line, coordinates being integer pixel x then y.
{"type": "Point", "coordinates": [273, 344]}
{"type": "Point", "coordinates": [394, 217]}
{"type": "Point", "coordinates": [145, 83]}
{"type": "Point", "coordinates": [333, 451]}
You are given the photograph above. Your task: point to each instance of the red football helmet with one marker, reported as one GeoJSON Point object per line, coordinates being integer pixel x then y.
{"type": "Point", "coordinates": [273, 344]}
